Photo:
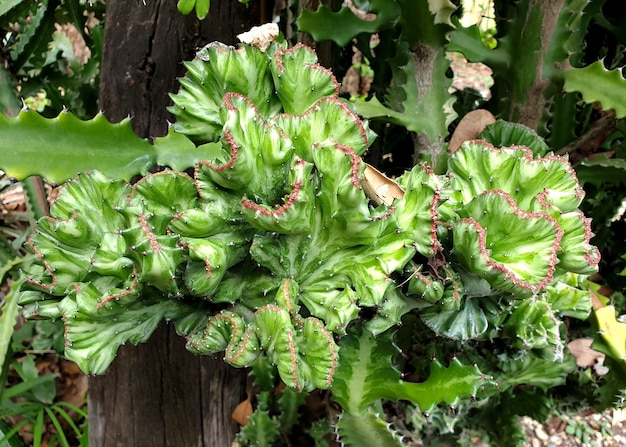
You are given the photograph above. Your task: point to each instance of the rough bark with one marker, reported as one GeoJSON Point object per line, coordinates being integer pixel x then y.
{"type": "Point", "coordinates": [158, 394]}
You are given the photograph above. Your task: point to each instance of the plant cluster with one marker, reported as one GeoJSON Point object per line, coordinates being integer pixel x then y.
{"type": "Point", "coordinates": [282, 252]}
{"type": "Point", "coordinates": [449, 291]}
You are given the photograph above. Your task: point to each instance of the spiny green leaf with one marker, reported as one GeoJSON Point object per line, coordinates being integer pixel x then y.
{"type": "Point", "coordinates": [290, 402]}
{"type": "Point", "coordinates": [366, 373]}
{"type": "Point", "coordinates": [342, 26]}
{"type": "Point", "coordinates": [261, 429]}
{"type": "Point", "coordinates": [71, 146]}
{"type": "Point", "coordinates": [366, 429]}
{"type": "Point", "coordinates": [596, 83]}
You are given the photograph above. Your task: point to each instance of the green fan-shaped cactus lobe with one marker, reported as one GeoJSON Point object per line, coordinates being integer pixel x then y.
{"type": "Point", "coordinates": [485, 241]}
{"type": "Point", "coordinates": [544, 188]}
{"type": "Point", "coordinates": [481, 167]}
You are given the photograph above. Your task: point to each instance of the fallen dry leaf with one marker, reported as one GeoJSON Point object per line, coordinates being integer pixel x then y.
{"type": "Point", "coordinates": [470, 126]}
{"type": "Point", "coordinates": [242, 412]}
{"type": "Point", "coordinates": [582, 352]}
{"type": "Point", "coordinates": [380, 188]}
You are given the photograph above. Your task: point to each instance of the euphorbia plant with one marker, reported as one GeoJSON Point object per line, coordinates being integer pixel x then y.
{"type": "Point", "coordinates": [273, 252]}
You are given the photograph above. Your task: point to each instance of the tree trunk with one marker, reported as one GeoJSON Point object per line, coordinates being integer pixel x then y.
{"type": "Point", "coordinates": [158, 394]}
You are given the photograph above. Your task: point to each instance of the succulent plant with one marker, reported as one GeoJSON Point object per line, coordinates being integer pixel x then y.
{"type": "Point", "coordinates": [279, 250]}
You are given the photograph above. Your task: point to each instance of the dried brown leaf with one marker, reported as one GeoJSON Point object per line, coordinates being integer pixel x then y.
{"type": "Point", "coordinates": [470, 126]}
{"type": "Point", "coordinates": [380, 188]}
{"type": "Point", "coordinates": [582, 352]}
{"type": "Point", "coordinates": [242, 412]}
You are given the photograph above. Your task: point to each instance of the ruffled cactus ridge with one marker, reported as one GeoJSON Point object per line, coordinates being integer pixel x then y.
{"type": "Point", "coordinates": [515, 249]}
{"type": "Point", "coordinates": [275, 226]}
{"type": "Point", "coordinates": [542, 192]}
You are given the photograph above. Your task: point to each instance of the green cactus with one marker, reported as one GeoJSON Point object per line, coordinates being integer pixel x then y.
{"type": "Point", "coordinates": [274, 254]}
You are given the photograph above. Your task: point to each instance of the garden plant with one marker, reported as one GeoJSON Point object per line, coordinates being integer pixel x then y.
{"type": "Point", "coordinates": [446, 292]}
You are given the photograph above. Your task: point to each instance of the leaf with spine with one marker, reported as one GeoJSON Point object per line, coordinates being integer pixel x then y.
{"type": "Point", "coordinates": [289, 403]}
{"type": "Point", "coordinates": [366, 374]}
{"type": "Point", "coordinates": [342, 26]}
{"type": "Point", "coordinates": [36, 32]}
{"type": "Point", "coordinates": [320, 431]}
{"type": "Point", "coordinates": [366, 429]}
{"type": "Point", "coordinates": [72, 146]}
{"type": "Point", "coordinates": [264, 374]}
{"type": "Point", "coordinates": [261, 429]}
{"type": "Point", "coordinates": [596, 83]}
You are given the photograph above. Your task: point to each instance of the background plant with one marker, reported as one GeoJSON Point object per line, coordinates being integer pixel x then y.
{"type": "Point", "coordinates": [49, 61]}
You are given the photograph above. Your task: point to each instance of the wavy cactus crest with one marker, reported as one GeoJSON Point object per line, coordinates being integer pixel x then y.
{"type": "Point", "coordinates": [519, 248]}
{"type": "Point", "coordinates": [272, 249]}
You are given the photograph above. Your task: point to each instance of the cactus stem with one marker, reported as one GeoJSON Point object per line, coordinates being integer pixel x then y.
{"type": "Point", "coordinates": [126, 292]}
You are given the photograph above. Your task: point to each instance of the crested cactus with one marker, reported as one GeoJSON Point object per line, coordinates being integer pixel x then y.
{"type": "Point", "coordinates": [276, 225]}
{"type": "Point", "coordinates": [276, 253]}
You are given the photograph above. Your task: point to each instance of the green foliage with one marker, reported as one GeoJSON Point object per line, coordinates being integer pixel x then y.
{"type": "Point", "coordinates": [416, 96]}
{"type": "Point", "coordinates": [273, 249]}
{"type": "Point", "coordinates": [8, 318]}
{"type": "Point", "coordinates": [84, 145]}
{"type": "Point", "coordinates": [277, 411]}
{"type": "Point", "coordinates": [53, 50]}
{"type": "Point", "coordinates": [202, 7]}
{"type": "Point", "coordinates": [367, 374]}
{"type": "Point", "coordinates": [273, 253]}
{"type": "Point", "coordinates": [596, 83]}
{"type": "Point", "coordinates": [342, 26]}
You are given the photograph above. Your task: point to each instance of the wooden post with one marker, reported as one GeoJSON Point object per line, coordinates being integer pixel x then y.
{"type": "Point", "coordinates": [159, 394]}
